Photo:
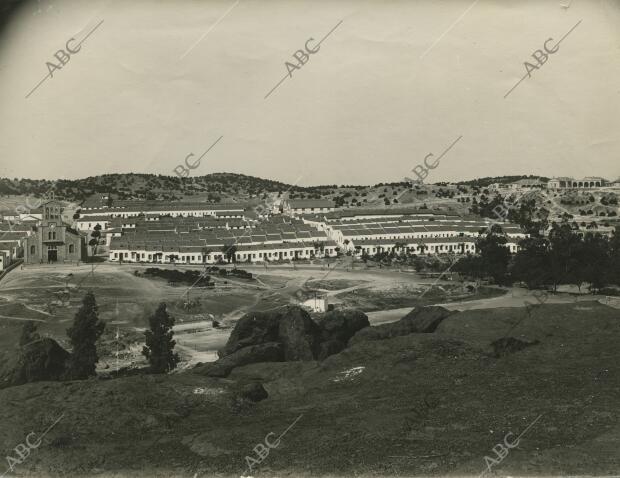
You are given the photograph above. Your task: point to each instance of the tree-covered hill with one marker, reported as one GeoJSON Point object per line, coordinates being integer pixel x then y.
{"type": "Point", "coordinates": [483, 182]}
{"type": "Point", "coordinates": [146, 186]}
{"type": "Point", "coordinates": [213, 187]}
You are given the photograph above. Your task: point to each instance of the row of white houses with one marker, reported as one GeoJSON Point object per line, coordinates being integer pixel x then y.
{"type": "Point", "coordinates": [288, 251]}
{"type": "Point", "coordinates": [313, 238]}
{"type": "Point", "coordinates": [162, 254]}
{"type": "Point", "coordinates": [413, 229]}
{"type": "Point", "coordinates": [168, 209]}
{"type": "Point", "coordinates": [447, 245]}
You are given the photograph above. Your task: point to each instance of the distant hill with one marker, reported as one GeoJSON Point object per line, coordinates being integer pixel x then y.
{"type": "Point", "coordinates": [212, 187]}
{"type": "Point", "coordinates": [227, 187]}
{"type": "Point", "coordinates": [146, 186]}
{"type": "Point", "coordinates": [483, 182]}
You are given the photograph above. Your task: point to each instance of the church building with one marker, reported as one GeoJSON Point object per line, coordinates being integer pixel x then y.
{"type": "Point", "coordinates": [52, 240]}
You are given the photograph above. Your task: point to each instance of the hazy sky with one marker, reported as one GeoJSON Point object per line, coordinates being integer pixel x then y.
{"type": "Point", "coordinates": [395, 81]}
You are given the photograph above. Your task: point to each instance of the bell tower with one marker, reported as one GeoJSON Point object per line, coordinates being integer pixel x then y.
{"type": "Point", "coordinates": [52, 213]}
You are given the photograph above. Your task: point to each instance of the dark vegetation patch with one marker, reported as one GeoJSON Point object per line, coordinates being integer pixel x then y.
{"type": "Point", "coordinates": [175, 276]}
{"type": "Point", "coordinates": [509, 345]}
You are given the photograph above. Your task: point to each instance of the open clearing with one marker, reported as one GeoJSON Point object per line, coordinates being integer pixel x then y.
{"type": "Point", "coordinates": [52, 294]}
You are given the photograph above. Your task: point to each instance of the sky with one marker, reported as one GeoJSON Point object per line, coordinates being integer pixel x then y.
{"type": "Point", "coordinates": [392, 82]}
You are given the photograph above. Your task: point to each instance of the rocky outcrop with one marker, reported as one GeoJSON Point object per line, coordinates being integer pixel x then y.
{"type": "Point", "coordinates": [338, 326]}
{"type": "Point", "coordinates": [252, 329]}
{"type": "Point", "coordinates": [331, 347]}
{"type": "Point", "coordinates": [41, 360]}
{"type": "Point", "coordinates": [268, 352]}
{"type": "Point", "coordinates": [341, 325]}
{"type": "Point", "coordinates": [286, 334]}
{"type": "Point", "coordinates": [419, 321]}
{"type": "Point", "coordinates": [299, 334]}
{"type": "Point", "coordinates": [425, 320]}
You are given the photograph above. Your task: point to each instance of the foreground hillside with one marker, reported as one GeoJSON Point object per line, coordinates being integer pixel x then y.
{"type": "Point", "coordinates": [419, 404]}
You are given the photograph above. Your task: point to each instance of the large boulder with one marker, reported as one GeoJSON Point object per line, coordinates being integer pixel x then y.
{"type": "Point", "coordinates": [419, 321]}
{"type": "Point", "coordinates": [253, 328]}
{"type": "Point", "coordinates": [41, 360]}
{"type": "Point", "coordinates": [291, 326]}
{"type": "Point", "coordinates": [299, 334]}
{"type": "Point", "coordinates": [330, 347]}
{"type": "Point", "coordinates": [341, 325]}
{"type": "Point", "coordinates": [268, 352]}
{"type": "Point", "coordinates": [425, 320]}
{"type": "Point", "coordinates": [254, 392]}
{"type": "Point", "coordinates": [286, 334]}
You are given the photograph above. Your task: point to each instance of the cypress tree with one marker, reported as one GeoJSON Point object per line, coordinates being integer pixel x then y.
{"type": "Point", "coordinates": [159, 347]}
{"type": "Point", "coordinates": [83, 335]}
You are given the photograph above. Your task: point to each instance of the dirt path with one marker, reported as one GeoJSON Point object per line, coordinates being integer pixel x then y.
{"type": "Point", "coordinates": [385, 316]}
{"type": "Point", "coordinates": [191, 356]}
{"type": "Point", "coordinates": [21, 318]}
{"type": "Point", "coordinates": [349, 289]}
{"type": "Point", "coordinates": [36, 310]}
{"type": "Point", "coordinates": [517, 297]}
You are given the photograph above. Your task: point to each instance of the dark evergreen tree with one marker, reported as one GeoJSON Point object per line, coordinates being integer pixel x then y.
{"type": "Point", "coordinates": [230, 252]}
{"type": "Point", "coordinates": [614, 253]}
{"type": "Point", "coordinates": [494, 255]}
{"type": "Point", "coordinates": [595, 266]}
{"type": "Point", "coordinates": [470, 266]}
{"type": "Point", "coordinates": [159, 347]}
{"type": "Point", "coordinates": [83, 336]}
{"type": "Point", "coordinates": [531, 263]}
{"type": "Point", "coordinates": [565, 247]}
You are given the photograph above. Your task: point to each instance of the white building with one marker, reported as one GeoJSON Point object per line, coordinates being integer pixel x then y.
{"type": "Point", "coordinates": [307, 206]}
{"type": "Point", "coordinates": [527, 184]}
{"type": "Point", "coordinates": [316, 304]}
{"type": "Point", "coordinates": [570, 183]}
{"type": "Point", "coordinates": [89, 222]}
{"type": "Point", "coordinates": [168, 209]}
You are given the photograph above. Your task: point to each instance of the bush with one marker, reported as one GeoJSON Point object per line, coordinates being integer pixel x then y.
{"type": "Point", "coordinates": [241, 273]}
{"type": "Point", "coordinates": [174, 276]}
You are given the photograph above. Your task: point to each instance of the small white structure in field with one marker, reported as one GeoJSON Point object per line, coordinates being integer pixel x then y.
{"type": "Point", "coordinates": [316, 304]}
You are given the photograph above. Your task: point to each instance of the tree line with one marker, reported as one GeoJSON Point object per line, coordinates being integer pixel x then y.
{"type": "Point", "coordinates": [562, 257]}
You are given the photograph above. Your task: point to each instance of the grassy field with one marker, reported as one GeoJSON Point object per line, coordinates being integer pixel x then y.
{"type": "Point", "coordinates": [418, 405]}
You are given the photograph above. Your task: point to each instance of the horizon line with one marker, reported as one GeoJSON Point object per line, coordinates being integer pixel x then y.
{"type": "Point", "coordinates": [386, 182]}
